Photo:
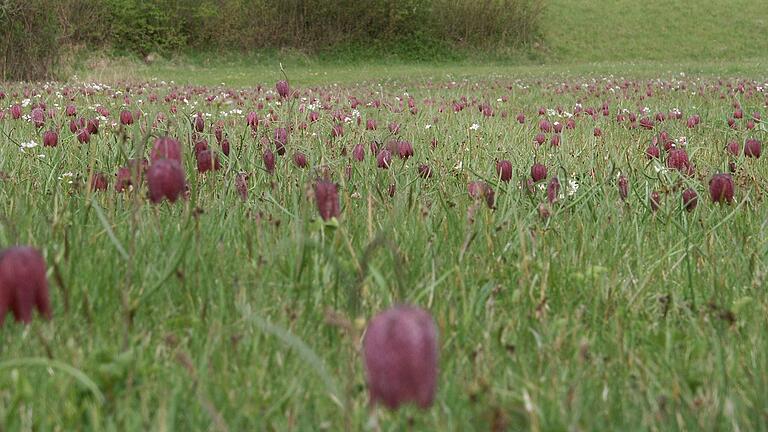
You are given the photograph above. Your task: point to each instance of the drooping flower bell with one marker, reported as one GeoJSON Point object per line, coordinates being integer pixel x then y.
{"type": "Point", "coordinates": [425, 171]}
{"type": "Point", "coordinates": [690, 199]}
{"type": "Point", "coordinates": [166, 148]}
{"type": "Point", "coordinates": [538, 172]}
{"type": "Point", "coordinates": [99, 181]}
{"type": "Point", "coordinates": [721, 188]}
{"type": "Point", "coordinates": [50, 138]}
{"type": "Point", "coordinates": [126, 117]}
{"type": "Point", "coordinates": [199, 122]}
{"type": "Point", "coordinates": [553, 190]}
{"type": "Point", "coordinates": [401, 357]}
{"type": "Point", "coordinates": [241, 185]}
{"type": "Point", "coordinates": [623, 187]}
{"type": "Point", "coordinates": [384, 159]}
{"type": "Point", "coordinates": [166, 180]}
{"type": "Point", "coordinates": [269, 161]}
{"type": "Point", "coordinates": [300, 159]}
{"type": "Point", "coordinates": [752, 148]}
{"type": "Point", "coordinates": [504, 170]}
{"type": "Point", "coordinates": [327, 199]}
{"type": "Point", "coordinates": [282, 88]}
{"type": "Point", "coordinates": [23, 285]}
{"type": "Point", "coordinates": [358, 153]}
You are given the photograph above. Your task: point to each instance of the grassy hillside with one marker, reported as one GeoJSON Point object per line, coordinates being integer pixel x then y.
{"type": "Point", "coordinates": [623, 30]}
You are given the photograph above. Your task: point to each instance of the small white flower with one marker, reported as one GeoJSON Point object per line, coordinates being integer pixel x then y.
{"type": "Point", "coordinates": [30, 144]}
{"type": "Point", "coordinates": [475, 126]}
{"type": "Point", "coordinates": [429, 126]}
{"type": "Point", "coordinates": [573, 186]}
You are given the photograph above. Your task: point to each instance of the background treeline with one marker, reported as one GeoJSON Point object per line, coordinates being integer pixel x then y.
{"type": "Point", "coordinates": [34, 33]}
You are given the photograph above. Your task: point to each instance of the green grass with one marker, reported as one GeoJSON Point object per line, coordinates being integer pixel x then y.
{"type": "Point", "coordinates": [223, 314]}
{"type": "Point", "coordinates": [219, 314]}
{"type": "Point", "coordinates": [624, 30]}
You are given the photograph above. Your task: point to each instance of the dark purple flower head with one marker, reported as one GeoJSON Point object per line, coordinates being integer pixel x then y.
{"type": "Point", "coordinates": [50, 138]}
{"type": "Point", "coordinates": [123, 179]}
{"type": "Point", "coordinates": [337, 130]}
{"type": "Point", "coordinates": [269, 161]}
{"type": "Point", "coordinates": [690, 199]}
{"type": "Point", "coordinates": [37, 116]}
{"type": "Point", "coordinates": [721, 188]}
{"type": "Point", "coordinates": [93, 126]}
{"type": "Point", "coordinates": [678, 159]}
{"type": "Point", "coordinates": [653, 152]}
{"type": "Point", "coordinates": [83, 136]}
{"type": "Point", "coordinates": [23, 286]}
{"type": "Point", "coordinates": [252, 119]}
{"type": "Point", "coordinates": [126, 117]}
{"type": "Point", "coordinates": [425, 171]}
{"type": "Point", "coordinates": [358, 153]}
{"type": "Point", "coordinates": [70, 111]}
{"type": "Point", "coordinates": [479, 189]}
{"type": "Point", "coordinates": [404, 149]}
{"type": "Point", "coordinates": [77, 124]}
{"type": "Point", "coordinates": [553, 190]}
{"type": "Point", "coordinates": [504, 170]}
{"type": "Point", "coordinates": [370, 124]}
{"type": "Point", "coordinates": [327, 198]}
{"type": "Point", "coordinates": [282, 88]}
{"type": "Point", "coordinates": [384, 159]}
{"type": "Point", "coordinates": [241, 185]}
{"type": "Point", "coordinates": [401, 356]}
{"type": "Point", "coordinates": [99, 181]}
{"type": "Point", "coordinates": [166, 180]}
{"type": "Point", "coordinates": [538, 172]}
{"type": "Point", "coordinates": [540, 138]}
{"type": "Point", "coordinates": [16, 111]}
{"type": "Point", "coordinates": [281, 139]}
{"type": "Point", "coordinates": [165, 148]}
{"type": "Point", "coordinates": [300, 159]}
{"type": "Point", "coordinates": [733, 148]}
{"type": "Point", "coordinates": [224, 145]}
{"type": "Point", "coordinates": [207, 160]}
{"type": "Point", "coordinates": [623, 187]}
{"type": "Point", "coordinates": [752, 148]}
{"type": "Point", "coordinates": [199, 122]}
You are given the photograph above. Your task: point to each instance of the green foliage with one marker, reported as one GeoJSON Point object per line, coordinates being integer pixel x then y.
{"type": "Point", "coordinates": [144, 27]}
{"type": "Point", "coordinates": [28, 40]}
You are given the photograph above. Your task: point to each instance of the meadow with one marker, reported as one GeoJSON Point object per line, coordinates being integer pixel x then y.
{"type": "Point", "coordinates": [218, 232]}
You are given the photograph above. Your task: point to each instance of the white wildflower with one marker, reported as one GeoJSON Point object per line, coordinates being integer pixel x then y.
{"type": "Point", "coordinates": [573, 186]}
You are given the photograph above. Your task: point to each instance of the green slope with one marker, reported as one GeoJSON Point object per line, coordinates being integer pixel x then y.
{"type": "Point", "coordinates": [626, 30]}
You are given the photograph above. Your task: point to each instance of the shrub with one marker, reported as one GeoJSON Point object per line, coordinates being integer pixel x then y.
{"type": "Point", "coordinates": [29, 35]}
